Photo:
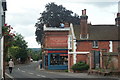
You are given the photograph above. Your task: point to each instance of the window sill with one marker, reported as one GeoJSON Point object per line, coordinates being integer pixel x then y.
{"type": "Point", "coordinates": [95, 47]}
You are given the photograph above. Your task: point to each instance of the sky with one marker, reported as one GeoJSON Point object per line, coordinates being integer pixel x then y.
{"type": "Point", "coordinates": [23, 14]}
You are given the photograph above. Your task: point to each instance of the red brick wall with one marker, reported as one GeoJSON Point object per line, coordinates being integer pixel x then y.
{"type": "Point", "coordinates": [84, 46]}
{"type": "Point", "coordinates": [56, 39]}
{"type": "Point", "coordinates": [81, 57]}
{"type": "Point", "coordinates": [104, 45]}
{"type": "Point", "coordinates": [115, 46]}
{"type": "Point", "coordinates": [87, 46]}
{"type": "Point", "coordinates": [70, 61]}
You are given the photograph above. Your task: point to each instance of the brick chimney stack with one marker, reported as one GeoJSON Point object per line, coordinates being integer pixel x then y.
{"type": "Point", "coordinates": [117, 20]}
{"type": "Point", "coordinates": [83, 25]}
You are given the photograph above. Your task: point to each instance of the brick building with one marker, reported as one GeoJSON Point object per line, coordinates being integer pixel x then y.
{"type": "Point", "coordinates": [55, 47]}
{"type": "Point", "coordinates": [63, 47]}
{"type": "Point", "coordinates": [86, 41]}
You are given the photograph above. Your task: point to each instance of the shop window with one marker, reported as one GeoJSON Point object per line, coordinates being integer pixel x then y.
{"type": "Point", "coordinates": [56, 59]}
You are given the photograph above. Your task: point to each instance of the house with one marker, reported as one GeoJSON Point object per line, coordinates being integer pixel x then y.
{"type": "Point", "coordinates": [55, 47]}
{"type": "Point", "coordinates": [65, 46]}
{"type": "Point", "coordinates": [87, 42]}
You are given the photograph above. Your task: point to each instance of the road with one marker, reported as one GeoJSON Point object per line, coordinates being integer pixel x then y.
{"type": "Point", "coordinates": [32, 72]}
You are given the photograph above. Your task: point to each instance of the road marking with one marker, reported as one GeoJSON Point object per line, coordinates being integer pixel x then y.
{"type": "Point", "coordinates": [30, 73]}
{"type": "Point", "coordinates": [38, 75]}
{"type": "Point", "coordinates": [8, 75]}
{"type": "Point", "coordinates": [23, 71]}
{"type": "Point", "coordinates": [43, 76]}
{"type": "Point", "coordinates": [18, 68]}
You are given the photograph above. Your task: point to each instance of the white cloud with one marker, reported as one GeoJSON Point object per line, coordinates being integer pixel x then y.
{"type": "Point", "coordinates": [32, 42]}
{"type": "Point", "coordinates": [23, 14]}
{"type": "Point", "coordinates": [26, 31]}
{"type": "Point", "coordinates": [77, 1]}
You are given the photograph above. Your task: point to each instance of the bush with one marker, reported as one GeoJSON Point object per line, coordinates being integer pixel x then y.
{"type": "Point", "coordinates": [66, 70]}
{"type": "Point", "coordinates": [80, 66]}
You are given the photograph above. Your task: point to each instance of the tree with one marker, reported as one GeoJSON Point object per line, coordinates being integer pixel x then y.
{"type": "Point", "coordinates": [8, 39]}
{"type": "Point", "coordinates": [13, 52]}
{"type": "Point", "coordinates": [35, 55]}
{"type": "Point", "coordinates": [52, 16]}
{"type": "Point", "coordinates": [19, 48]}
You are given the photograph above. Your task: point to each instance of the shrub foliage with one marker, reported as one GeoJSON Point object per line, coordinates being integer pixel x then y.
{"type": "Point", "coordinates": [80, 66]}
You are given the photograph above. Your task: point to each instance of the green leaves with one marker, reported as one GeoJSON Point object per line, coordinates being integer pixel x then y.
{"type": "Point", "coordinates": [19, 48]}
{"type": "Point", "coordinates": [52, 16]}
{"type": "Point", "coordinates": [80, 66]}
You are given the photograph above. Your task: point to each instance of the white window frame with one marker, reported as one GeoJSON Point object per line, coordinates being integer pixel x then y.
{"type": "Point", "coordinates": [69, 41]}
{"type": "Point", "coordinates": [95, 44]}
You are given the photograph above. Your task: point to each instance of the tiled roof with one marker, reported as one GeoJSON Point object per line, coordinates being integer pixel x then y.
{"type": "Point", "coordinates": [98, 32]}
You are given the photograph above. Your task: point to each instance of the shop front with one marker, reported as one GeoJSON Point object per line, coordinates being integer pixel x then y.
{"type": "Point", "coordinates": [56, 59]}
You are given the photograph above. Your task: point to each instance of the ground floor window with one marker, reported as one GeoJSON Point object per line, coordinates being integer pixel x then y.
{"type": "Point", "coordinates": [58, 59]}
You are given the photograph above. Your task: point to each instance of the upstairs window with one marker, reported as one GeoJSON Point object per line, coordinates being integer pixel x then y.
{"type": "Point", "coordinates": [95, 44]}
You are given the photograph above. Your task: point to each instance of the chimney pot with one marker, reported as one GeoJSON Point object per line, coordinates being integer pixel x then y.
{"type": "Point", "coordinates": [85, 11]}
{"type": "Point", "coordinates": [118, 14]}
{"type": "Point", "coordinates": [117, 20]}
{"type": "Point", "coordinates": [82, 12]}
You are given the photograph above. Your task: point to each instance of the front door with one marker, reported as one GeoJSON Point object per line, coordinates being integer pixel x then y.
{"type": "Point", "coordinates": [96, 59]}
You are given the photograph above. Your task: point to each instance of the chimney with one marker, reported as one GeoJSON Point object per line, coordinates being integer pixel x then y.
{"type": "Point", "coordinates": [117, 20]}
{"type": "Point", "coordinates": [83, 25]}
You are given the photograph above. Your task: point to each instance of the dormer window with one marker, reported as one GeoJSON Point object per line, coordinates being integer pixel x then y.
{"type": "Point", "coordinates": [84, 37]}
{"type": "Point", "coordinates": [95, 44]}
